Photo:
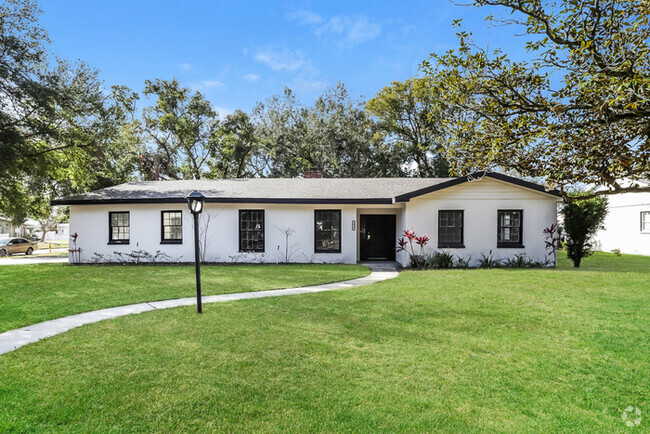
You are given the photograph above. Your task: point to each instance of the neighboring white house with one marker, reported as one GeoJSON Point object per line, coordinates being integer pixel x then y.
{"type": "Point", "coordinates": [61, 233]}
{"type": "Point", "coordinates": [329, 220]}
{"type": "Point", "coordinates": [6, 228]}
{"type": "Point", "coordinates": [627, 225]}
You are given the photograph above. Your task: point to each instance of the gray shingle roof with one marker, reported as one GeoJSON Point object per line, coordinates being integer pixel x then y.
{"type": "Point", "coordinates": [272, 190]}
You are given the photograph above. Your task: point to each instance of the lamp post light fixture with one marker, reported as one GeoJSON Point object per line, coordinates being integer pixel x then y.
{"type": "Point", "coordinates": [195, 203]}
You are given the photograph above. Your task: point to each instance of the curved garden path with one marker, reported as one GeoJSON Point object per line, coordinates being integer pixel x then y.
{"type": "Point", "coordinates": [14, 339]}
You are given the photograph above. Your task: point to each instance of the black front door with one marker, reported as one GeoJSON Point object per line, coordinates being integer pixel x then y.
{"type": "Point", "coordinates": [377, 237]}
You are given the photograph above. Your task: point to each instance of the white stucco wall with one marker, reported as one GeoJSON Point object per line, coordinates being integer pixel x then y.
{"type": "Point", "coordinates": [623, 225]}
{"type": "Point", "coordinates": [91, 223]}
{"type": "Point", "coordinates": [480, 200]}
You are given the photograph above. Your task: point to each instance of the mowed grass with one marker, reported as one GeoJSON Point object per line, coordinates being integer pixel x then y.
{"type": "Point", "coordinates": [460, 350]}
{"type": "Point", "coordinates": [35, 293]}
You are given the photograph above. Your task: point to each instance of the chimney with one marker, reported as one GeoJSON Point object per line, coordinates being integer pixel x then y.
{"type": "Point", "coordinates": [313, 174]}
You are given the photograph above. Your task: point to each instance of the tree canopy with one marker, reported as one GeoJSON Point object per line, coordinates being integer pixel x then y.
{"type": "Point", "coordinates": [411, 116]}
{"type": "Point", "coordinates": [576, 111]}
{"type": "Point", "coordinates": [335, 135]}
{"type": "Point", "coordinates": [57, 125]}
{"type": "Point", "coordinates": [582, 219]}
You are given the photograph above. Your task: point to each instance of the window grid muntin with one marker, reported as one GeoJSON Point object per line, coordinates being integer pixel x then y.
{"type": "Point", "coordinates": [327, 231]}
{"type": "Point", "coordinates": [172, 226]}
{"type": "Point", "coordinates": [251, 230]}
{"type": "Point", "coordinates": [509, 229]}
{"type": "Point", "coordinates": [645, 221]}
{"type": "Point", "coordinates": [450, 228]}
{"type": "Point", "coordinates": [119, 227]}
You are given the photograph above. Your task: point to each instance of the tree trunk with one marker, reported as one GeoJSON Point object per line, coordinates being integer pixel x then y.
{"type": "Point", "coordinates": [576, 261]}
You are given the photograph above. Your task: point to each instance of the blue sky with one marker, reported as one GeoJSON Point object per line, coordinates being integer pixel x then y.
{"type": "Point", "coordinates": [240, 52]}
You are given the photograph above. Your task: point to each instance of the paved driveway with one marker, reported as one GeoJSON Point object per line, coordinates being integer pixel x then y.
{"type": "Point", "coordinates": [39, 257]}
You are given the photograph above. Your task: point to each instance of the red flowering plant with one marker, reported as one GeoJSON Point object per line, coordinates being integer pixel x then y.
{"type": "Point", "coordinates": [552, 241]}
{"type": "Point", "coordinates": [405, 244]}
{"type": "Point", "coordinates": [422, 241]}
{"type": "Point", "coordinates": [75, 251]}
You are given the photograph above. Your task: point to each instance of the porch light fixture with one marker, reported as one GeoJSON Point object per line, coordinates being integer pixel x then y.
{"type": "Point", "coordinates": [195, 203]}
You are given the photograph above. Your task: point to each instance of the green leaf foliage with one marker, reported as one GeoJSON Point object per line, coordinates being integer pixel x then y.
{"type": "Point", "coordinates": [582, 219]}
{"type": "Point", "coordinates": [57, 124]}
{"type": "Point", "coordinates": [575, 110]}
{"type": "Point", "coordinates": [410, 116]}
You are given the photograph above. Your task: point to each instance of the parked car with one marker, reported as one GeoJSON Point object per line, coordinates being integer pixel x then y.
{"type": "Point", "coordinates": [9, 246]}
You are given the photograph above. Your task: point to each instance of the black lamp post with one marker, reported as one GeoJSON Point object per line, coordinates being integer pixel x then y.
{"type": "Point", "coordinates": [195, 203]}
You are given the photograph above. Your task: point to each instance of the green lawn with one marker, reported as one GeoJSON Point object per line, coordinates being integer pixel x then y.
{"type": "Point", "coordinates": [35, 293]}
{"type": "Point", "coordinates": [459, 350]}
{"type": "Point", "coordinates": [54, 244]}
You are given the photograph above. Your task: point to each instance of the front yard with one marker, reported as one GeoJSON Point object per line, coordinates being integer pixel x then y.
{"type": "Point", "coordinates": [35, 293]}
{"type": "Point", "coordinates": [459, 350]}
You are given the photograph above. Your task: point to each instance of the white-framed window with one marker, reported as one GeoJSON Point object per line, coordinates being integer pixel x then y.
{"type": "Point", "coordinates": [645, 222]}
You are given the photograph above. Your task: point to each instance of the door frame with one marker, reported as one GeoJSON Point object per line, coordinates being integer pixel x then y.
{"type": "Point", "coordinates": [393, 218]}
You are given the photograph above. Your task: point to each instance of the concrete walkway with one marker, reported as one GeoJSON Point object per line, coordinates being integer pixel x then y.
{"type": "Point", "coordinates": [14, 339]}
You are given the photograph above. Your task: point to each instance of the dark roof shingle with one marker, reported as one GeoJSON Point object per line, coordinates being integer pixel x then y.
{"type": "Point", "coordinates": [271, 190]}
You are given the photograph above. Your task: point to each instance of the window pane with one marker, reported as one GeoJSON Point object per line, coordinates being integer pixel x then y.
{"type": "Point", "coordinates": [327, 227]}
{"type": "Point", "coordinates": [172, 225]}
{"type": "Point", "coordinates": [119, 226]}
{"type": "Point", "coordinates": [251, 231]}
{"type": "Point", "coordinates": [450, 227]}
{"type": "Point", "coordinates": [509, 226]}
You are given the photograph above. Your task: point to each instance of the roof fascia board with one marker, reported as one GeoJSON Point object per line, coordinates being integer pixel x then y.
{"type": "Point", "coordinates": [460, 180]}
{"type": "Point", "coordinates": [387, 201]}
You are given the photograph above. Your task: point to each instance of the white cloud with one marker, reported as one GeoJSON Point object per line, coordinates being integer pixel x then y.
{"type": "Point", "coordinates": [212, 84]}
{"type": "Point", "coordinates": [301, 74]}
{"type": "Point", "coordinates": [223, 111]}
{"type": "Point", "coordinates": [308, 84]}
{"type": "Point", "coordinates": [251, 78]}
{"type": "Point", "coordinates": [279, 60]}
{"type": "Point", "coordinates": [204, 85]}
{"type": "Point", "coordinates": [351, 30]}
{"type": "Point", "coordinates": [186, 67]}
{"type": "Point", "coordinates": [305, 17]}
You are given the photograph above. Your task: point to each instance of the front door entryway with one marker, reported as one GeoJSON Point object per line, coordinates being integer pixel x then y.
{"type": "Point", "coordinates": [377, 237]}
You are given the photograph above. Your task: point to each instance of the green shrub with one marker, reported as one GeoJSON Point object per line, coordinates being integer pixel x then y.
{"type": "Point", "coordinates": [489, 261]}
{"type": "Point", "coordinates": [463, 262]}
{"type": "Point", "coordinates": [520, 260]}
{"type": "Point", "coordinates": [440, 260]}
{"type": "Point", "coordinates": [582, 218]}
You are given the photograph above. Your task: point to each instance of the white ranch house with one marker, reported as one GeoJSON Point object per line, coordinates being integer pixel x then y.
{"type": "Point", "coordinates": [627, 225]}
{"type": "Point", "coordinates": [329, 220]}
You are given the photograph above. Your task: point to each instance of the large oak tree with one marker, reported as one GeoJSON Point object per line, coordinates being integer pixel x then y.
{"type": "Point", "coordinates": [410, 115]}
{"type": "Point", "coordinates": [576, 111]}
{"type": "Point", "coordinates": [57, 124]}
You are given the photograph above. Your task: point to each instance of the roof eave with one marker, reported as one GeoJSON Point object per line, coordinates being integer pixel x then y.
{"type": "Point", "coordinates": [460, 180]}
{"type": "Point", "coordinates": [364, 201]}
